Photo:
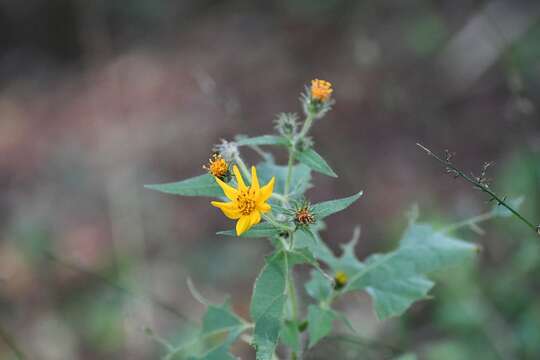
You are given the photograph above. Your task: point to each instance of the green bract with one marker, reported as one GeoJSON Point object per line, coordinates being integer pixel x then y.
{"type": "Point", "coordinates": [394, 280]}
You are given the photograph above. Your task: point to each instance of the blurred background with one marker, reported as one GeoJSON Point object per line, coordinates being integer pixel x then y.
{"type": "Point", "coordinates": [98, 98]}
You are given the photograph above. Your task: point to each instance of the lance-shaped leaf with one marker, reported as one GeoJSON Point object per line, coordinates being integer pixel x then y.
{"type": "Point", "coordinates": [324, 209]}
{"type": "Point", "coordinates": [263, 140]}
{"type": "Point", "coordinates": [203, 185]}
{"type": "Point", "coordinates": [315, 161]}
{"type": "Point", "coordinates": [261, 230]}
{"type": "Point", "coordinates": [268, 303]}
{"type": "Point", "coordinates": [397, 279]}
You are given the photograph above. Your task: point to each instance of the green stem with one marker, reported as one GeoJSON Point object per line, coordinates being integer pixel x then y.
{"type": "Point", "coordinates": [481, 187]}
{"type": "Point", "coordinates": [243, 168]}
{"type": "Point", "coordinates": [307, 125]}
{"type": "Point", "coordinates": [293, 299]}
{"type": "Point", "coordinates": [289, 174]}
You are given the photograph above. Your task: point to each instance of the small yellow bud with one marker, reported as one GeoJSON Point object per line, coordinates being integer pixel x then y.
{"type": "Point", "coordinates": [321, 90]}
{"type": "Point", "coordinates": [340, 280]}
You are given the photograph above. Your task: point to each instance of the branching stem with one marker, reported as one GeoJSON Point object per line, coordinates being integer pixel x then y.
{"type": "Point", "coordinates": [480, 186]}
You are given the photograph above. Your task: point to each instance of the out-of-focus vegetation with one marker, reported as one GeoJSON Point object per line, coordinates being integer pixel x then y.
{"type": "Point", "coordinates": [98, 98]}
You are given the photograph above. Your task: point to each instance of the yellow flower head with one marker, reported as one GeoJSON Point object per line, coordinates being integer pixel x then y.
{"type": "Point", "coordinates": [321, 90]}
{"type": "Point", "coordinates": [217, 166]}
{"type": "Point", "coordinates": [340, 280]}
{"type": "Point", "coordinates": [247, 203]}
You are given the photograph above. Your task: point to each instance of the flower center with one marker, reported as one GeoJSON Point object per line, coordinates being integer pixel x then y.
{"type": "Point", "coordinates": [218, 168]}
{"type": "Point", "coordinates": [246, 203]}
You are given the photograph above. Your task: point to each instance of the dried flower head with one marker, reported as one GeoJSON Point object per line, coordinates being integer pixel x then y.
{"type": "Point", "coordinates": [321, 90]}
{"type": "Point", "coordinates": [303, 214]}
{"type": "Point", "coordinates": [246, 203]}
{"type": "Point", "coordinates": [218, 167]}
{"type": "Point", "coordinates": [340, 280]}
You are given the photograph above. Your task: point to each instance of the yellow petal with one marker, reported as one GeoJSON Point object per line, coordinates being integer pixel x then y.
{"type": "Point", "coordinates": [254, 180]}
{"type": "Point", "coordinates": [266, 190]}
{"type": "Point", "coordinates": [228, 190]}
{"type": "Point", "coordinates": [239, 179]}
{"type": "Point", "coordinates": [264, 207]}
{"type": "Point", "coordinates": [223, 205]}
{"type": "Point", "coordinates": [229, 209]}
{"type": "Point", "coordinates": [255, 218]}
{"type": "Point", "coordinates": [243, 225]}
{"type": "Point", "coordinates": [232, 214]}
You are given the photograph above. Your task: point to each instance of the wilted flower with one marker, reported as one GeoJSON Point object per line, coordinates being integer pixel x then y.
{"type": "Point", "coordinates": [247, 203]}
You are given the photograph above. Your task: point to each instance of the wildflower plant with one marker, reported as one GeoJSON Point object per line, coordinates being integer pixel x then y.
{"type": "Point", "coordinates": [270, 201]}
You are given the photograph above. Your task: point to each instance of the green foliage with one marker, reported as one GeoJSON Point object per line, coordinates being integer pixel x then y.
{"type": "Point", "coordinates": [261, 230]}
{"type": "Point", "coordinates": [202, 185]}
{"type": "Point", "coordinates": [268, 303]}
{"type": "Point", "coordinates": [319, 323]}
{"type": "Point", "coordinates": [327, 208]}
{"type": "Point", "coordinates": [220, 328]}
{"type": "Point", "coordinates": [397, 279]}
{"type": "Point", "coordinates": [290, 335]}
{"type": "Point", "coordinates": [394, 280]}
{"type": "Point", "coordinates": [263, 140]}
{"type": "Point", "coordinates": [301, 176]}
{"type": "Point", "coordinates": [315, 161]}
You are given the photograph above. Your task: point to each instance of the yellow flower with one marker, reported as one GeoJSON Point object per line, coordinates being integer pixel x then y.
{"type": "Point", "coordinates": [217, 166]}
{"type": "Point", "coordinates": [321, 90]}
{"type": "Point", "coordinates": [247, 203]}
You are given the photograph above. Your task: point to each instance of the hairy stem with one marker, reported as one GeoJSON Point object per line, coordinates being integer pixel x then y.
{"type": "Point", "coordinates": [293, 298]}
{"type": "Point", "coordinates": [307, 125]}
{"type": "Point", "coordinates": [289, 173]}
{"type": "Point", "coordinates": [243, 168]}
{"type": "Point", "coordinates": [480, 186]}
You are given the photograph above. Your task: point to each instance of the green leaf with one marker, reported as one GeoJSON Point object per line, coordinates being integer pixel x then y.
{"type": "Point", "coordinates": [318, 287]}
{"type": "Point", "coordinates": [203, 185]}
{"type": "Point", "coordinates": [499, 210]}
{"type": "Point", "coordinates": [263, 140]}
{"type": "Point", "coordinates": [261, 230]}
{"type": "Point", "coordinates": [315, 161]}
{"type": "Point", "coordinates": [319, 323]}
{"type": "Point", "coordinates": [397, 279]}
{"type": "Point", "coordinates": [301, 256]}
{"type": "Point", "coordinates": [220, 329]}
{"type": "Point", "coordinates": [268, 303]}
{"type": "Point", "coordinates": [300, 180]}
{"type": "Point", "coordinates": [290, 335]}
{"type": "Point", "coordinates": [324, 209]}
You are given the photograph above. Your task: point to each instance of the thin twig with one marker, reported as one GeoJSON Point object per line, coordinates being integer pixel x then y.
{"type": "Point", "coordinates": [480, 186]}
